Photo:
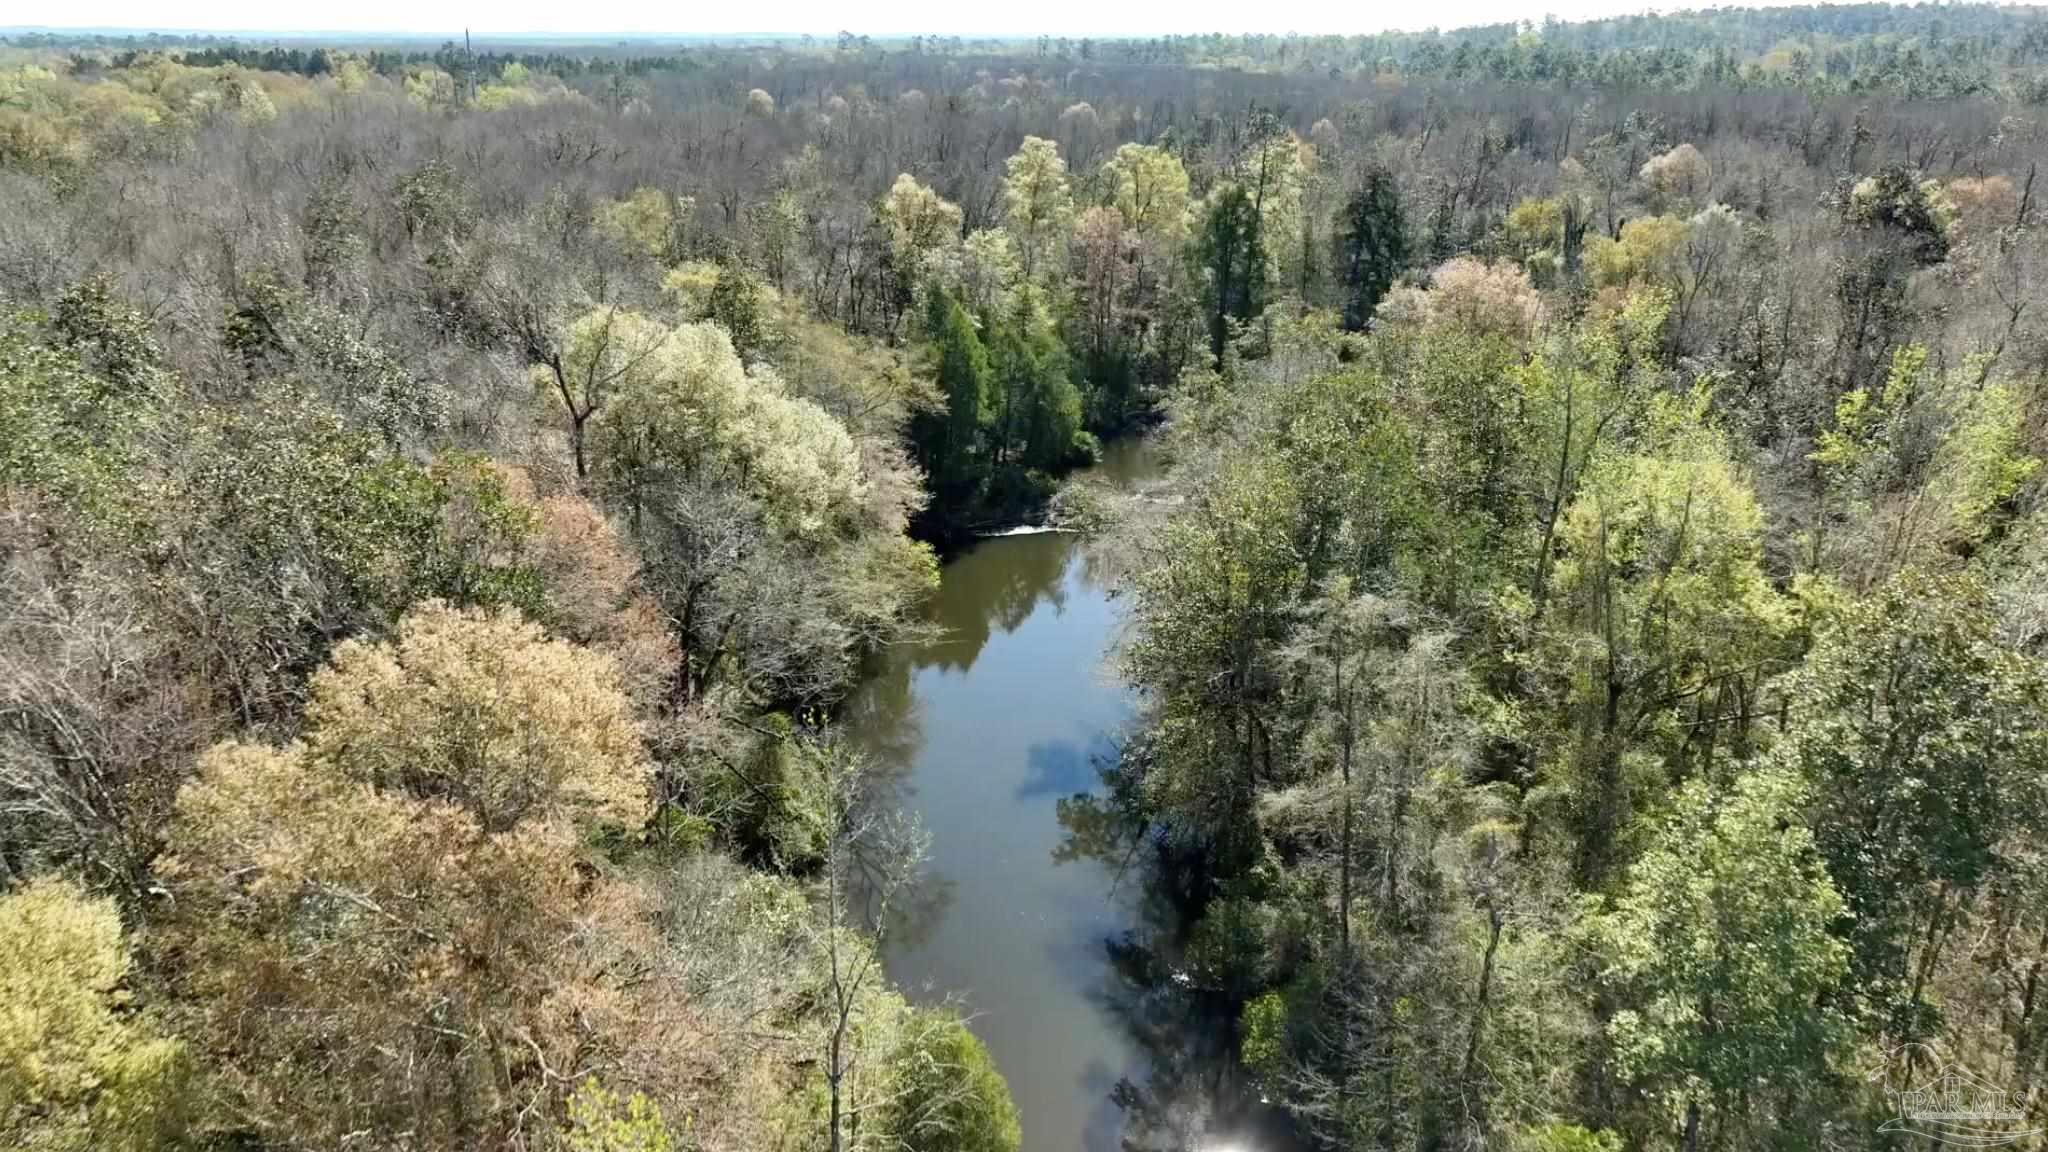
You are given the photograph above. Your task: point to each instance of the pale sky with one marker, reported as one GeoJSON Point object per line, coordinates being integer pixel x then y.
{"type": "Point", "coordinates": [584, 18]}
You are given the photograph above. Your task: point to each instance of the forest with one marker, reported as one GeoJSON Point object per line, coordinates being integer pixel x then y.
{"type": "Point", "coordinates": [1591, 643]}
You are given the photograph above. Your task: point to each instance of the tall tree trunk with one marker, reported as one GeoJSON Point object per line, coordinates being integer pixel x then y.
{"type": "Point", "coordinates": [2023, 1043]}
{"type": "Point", "coordinates": [1344, 849]}
{"type": "Point", "coordinates": [833, 1081]}
{"type": "Point", "coordinates": [1494, 922]}
{"type": "Point", "coordinates": [1539, 582]}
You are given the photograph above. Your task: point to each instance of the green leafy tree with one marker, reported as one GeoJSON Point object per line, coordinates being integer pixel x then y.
{"type": "Point", "coordinates": [1662, 604]}
{"type": "Point", "coordinates": [1650, 252]}
{"type": "Point", "coordinates": [949, 442]}
{"type": "Point", "coordinates": [1721, 951]}
{"type": "Point", "coordinates": [1038, 419]}
{"type": "Point", "coordinates": [600, 1122]}
{"type": "Point", "coordinates": [1211, 614]}
{"type": "Point", "coordinates": [649, 222]}
{"type": "Point", "coordinates": [286, 486]}
{"type": "Point", "coordinates": [923, 229]}
{"type": "Point", "coordinates": [109, 334]}
{"type": "Point", "coordinates": [604, 352]}
{"type": "Point", "coordinates": [283, 333]}
{"type": "Point", "coordinates": [1919, 734]}
{"type": "Point", "coordinates": [949, 1096]}
{"type": "Point", "coordinates": [1921, 473]}
{"type": "Point", "coordinates": [1893, 223]}
{"type": "Point", "coordinates": [1231, 251]}
{"type": "Point", "coordinates": [690, 411]}
{"type": "Point", "coordinates": [71, 435]}
{"type": "Point", "coordinates": [1574, 398]}
{"type": "Point", "coordinates": [1372, 247]}
{"type": "Point", "coordinates": [735, 305]}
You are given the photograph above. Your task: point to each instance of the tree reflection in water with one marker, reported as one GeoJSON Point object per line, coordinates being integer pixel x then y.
{"type": "Point", "coordinates": [1193, 1096]}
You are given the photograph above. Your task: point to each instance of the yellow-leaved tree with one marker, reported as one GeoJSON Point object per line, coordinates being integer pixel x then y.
{"type": "Point", "coordinates": [921, 223]}
{"type": "Point", "coordinates": [1038, 203]}
{"type": "Point", "coordinates": [78, 1071]}
{"type": "Point", "coordinates": [387, 930]}
{"type": "Point", "coordinates": [485, 712]}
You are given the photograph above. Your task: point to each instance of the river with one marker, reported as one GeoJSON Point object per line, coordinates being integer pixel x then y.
{"type": "Point", "coordinates": [986, 728]}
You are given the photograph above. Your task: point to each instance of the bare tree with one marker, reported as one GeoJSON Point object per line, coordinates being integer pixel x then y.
{"type": "Point", "coordinates": [872, 857]}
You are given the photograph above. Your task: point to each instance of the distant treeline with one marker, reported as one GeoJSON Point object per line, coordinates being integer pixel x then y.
{"type": "Point", "coordinates": [1926, 51]}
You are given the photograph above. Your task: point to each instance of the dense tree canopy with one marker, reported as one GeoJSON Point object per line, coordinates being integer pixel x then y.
{"type": "Point", "coordinates": [1588, 658]}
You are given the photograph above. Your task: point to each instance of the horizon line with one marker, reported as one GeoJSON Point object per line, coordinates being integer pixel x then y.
{"type": "Point", "coordinates": [671, 36]}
